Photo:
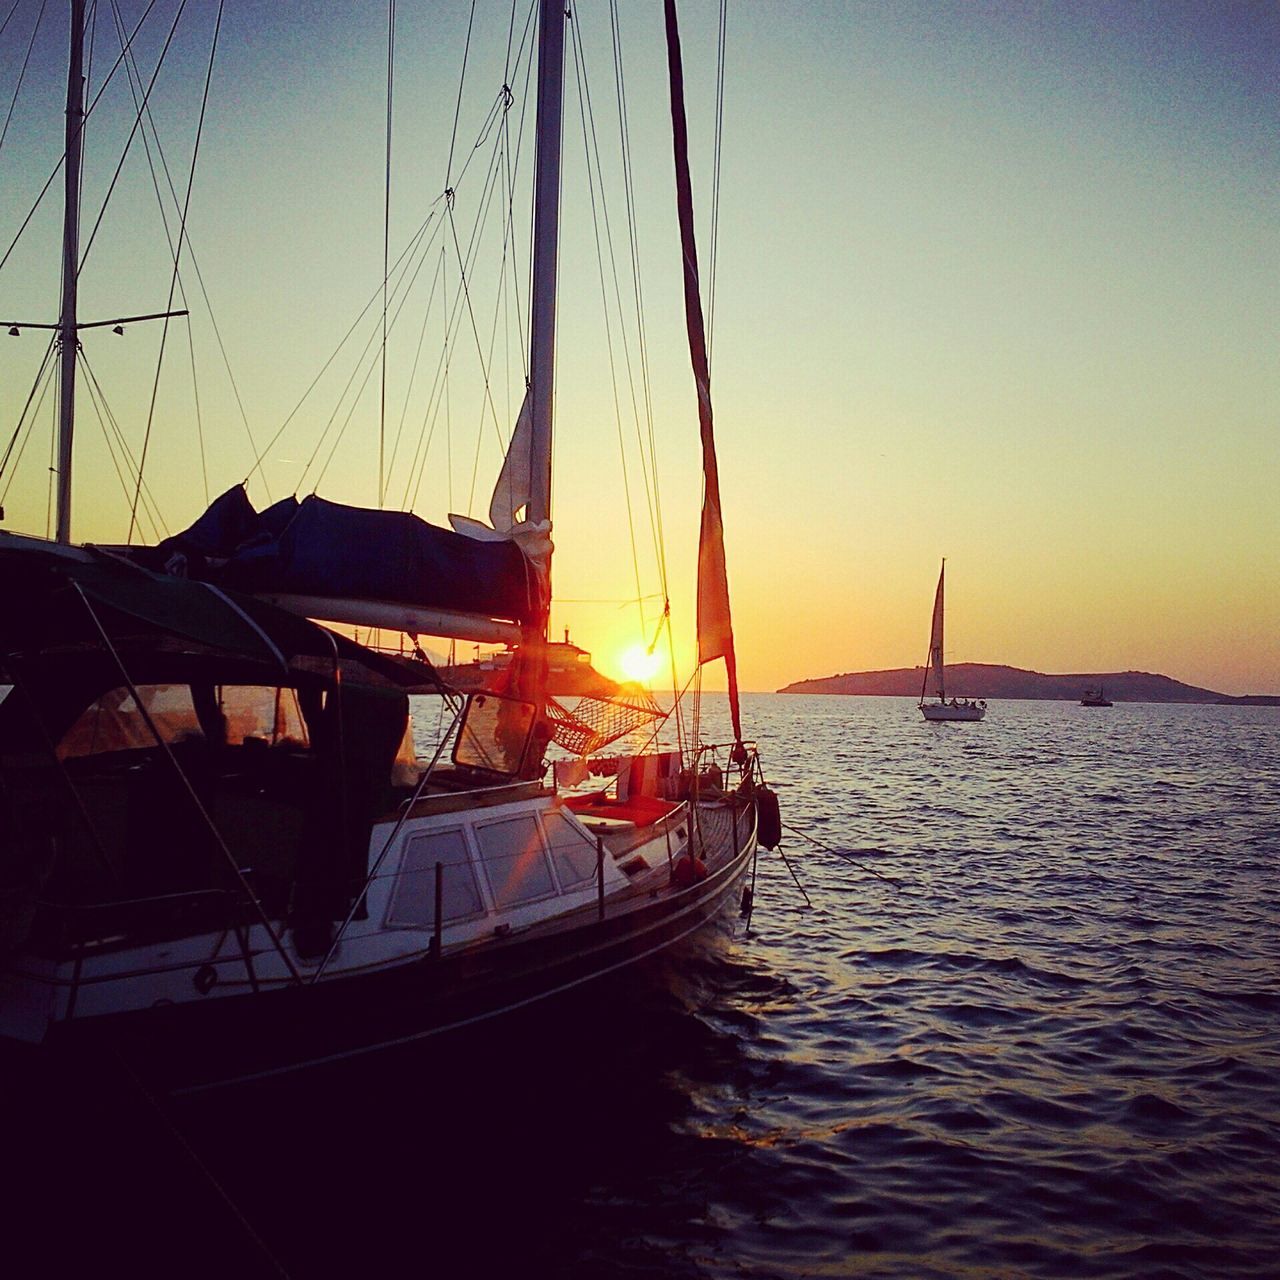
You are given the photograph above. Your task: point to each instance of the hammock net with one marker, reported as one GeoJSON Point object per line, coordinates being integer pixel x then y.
{"type": "Point", "coordinates": [595, 722]}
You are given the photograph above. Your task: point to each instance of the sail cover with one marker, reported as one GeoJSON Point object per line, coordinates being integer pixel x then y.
{"type": "Point", "coordinates": [320, 548]}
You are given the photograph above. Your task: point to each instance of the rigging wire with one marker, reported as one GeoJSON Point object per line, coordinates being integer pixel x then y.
{"type": "Point", "coordinates": [116, 444]}
{"type": "Point", "coordinates": [721, 46]}
{"type": "Point", "coordinates": [404, 284]}
{"type": "Point", "coordinates": [26, 408]}
{"type": "Point", "coordinates": [57, 168]}
{"type": "Point", "coordinates": [457, 110]}
{"type": "Point", "coordinates": [137, 123]}
{"type": "Point", "coordinates": [417, 360]}
{"type": "Point", "coordinates": [45, 376]}
{"type": "Point", "coordinates": [650, 472]}
{"type": "Point", "coordinates": [182, 231]}
{"type": "Point", "coordinates": [414, 241]}
{"type": "Point", "coordinates": [195, 391]}
{"type": "Point", "coordinates": [434, 397]}
{"type": "Point", "coordinates": [441, 397]}
{"type": "Point", "coordinates": [13, 8]}
{"type": "Point", "coordinates": [35, 30]}
{"type": "Point", "coordinates": [386, 248]}
{"type": "Point", "coordinates": [590, 145]}
{"type": "Point", "coordinates": [174, 250]}
{"type": "Point", "coordinates": [402, 265]}
{"type": "Point", "coordinates": [132, 67]}
{"type": "Point", "coordinates": [490, 190]}
{"type": "Point", "coordinates": [499, 109]}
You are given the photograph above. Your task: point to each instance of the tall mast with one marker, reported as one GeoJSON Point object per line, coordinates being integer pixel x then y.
{"type": "Point", "coordinates": [70, 267]}
{"type": "Point", "coordinates": [546, 236]}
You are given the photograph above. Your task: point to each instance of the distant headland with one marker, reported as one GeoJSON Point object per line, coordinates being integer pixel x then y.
{"type": "Point", "coordinates": [987, 680]}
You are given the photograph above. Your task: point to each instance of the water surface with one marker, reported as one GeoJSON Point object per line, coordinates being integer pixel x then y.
{"type": "Point", "coordinates": [1047, 1048]}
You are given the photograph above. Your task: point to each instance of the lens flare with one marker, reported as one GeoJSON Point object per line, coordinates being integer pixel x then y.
{"type": "Point", "coordinates": [638, 664]}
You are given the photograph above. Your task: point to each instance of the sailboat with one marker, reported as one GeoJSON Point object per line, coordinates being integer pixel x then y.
{"type": "Point", "coordinates": [220, 855]}
{"type": "Point", "coordinates": [1095, 698]}
{"type": "Point", "coordinates": [936, 671]}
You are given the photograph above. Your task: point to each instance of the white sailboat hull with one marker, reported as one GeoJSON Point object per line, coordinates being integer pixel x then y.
{"type": "Point", "coordinates": [936, 712]}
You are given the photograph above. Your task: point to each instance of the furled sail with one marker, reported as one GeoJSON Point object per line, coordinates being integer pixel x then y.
{"type": "Point", "coordinates": [715, 625]}
{"type": "Point", "coordinates": [319, 548]}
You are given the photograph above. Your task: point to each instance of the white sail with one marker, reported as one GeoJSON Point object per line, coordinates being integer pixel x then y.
{"type": "Point", "coordinates": [512, 490]}
{"type": "Point", "coordinates": [935, 641]}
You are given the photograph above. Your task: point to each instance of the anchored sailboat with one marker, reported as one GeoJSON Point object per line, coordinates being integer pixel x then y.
{"type": "Point", "coordinates": [220, 853]}
{"type": "Point", "coordinates": [936, 671]}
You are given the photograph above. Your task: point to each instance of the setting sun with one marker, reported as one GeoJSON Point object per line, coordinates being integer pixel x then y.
{"type": "Point", "coordinates": [638, 664]}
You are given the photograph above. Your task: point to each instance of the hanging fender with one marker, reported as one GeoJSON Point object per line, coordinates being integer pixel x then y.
{"type": "Point", "coordinates": [768, 818]}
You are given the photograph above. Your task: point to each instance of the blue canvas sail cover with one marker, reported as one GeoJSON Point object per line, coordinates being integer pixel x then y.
{"type": "Point", "coordinates": [320, 548]}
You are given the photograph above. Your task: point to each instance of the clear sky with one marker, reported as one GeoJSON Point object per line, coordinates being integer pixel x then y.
{"type": "Point", "coordinates": [995, 281]}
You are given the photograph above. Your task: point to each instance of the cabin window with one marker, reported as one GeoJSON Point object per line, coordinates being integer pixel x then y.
{"type": "Point", "coordinates": [413, 900]}
{"type": "Point", "coordinates": [266, 714]}
{"type": "Point", "coordinates": [573, 854]}
{"type": "Point", "coordinates": [115, 722]}
{"type": "Point", "coordinates": [494, 734]}
{"type": "Point", "coordinates": [514, 861]}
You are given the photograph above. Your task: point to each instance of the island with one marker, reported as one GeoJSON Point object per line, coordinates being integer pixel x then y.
{"type": "Point", "coordinates": [990, 680]}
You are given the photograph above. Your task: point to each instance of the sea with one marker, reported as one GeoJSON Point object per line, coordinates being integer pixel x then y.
{"type": "Point", "coordinates": [1007, 1005]}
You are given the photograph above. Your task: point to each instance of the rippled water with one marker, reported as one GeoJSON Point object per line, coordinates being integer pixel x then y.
{"type": "Point", "coordinates": [1047, 1048]}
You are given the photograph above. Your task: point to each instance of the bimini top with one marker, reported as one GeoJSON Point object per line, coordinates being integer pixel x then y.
{"type": "Point", "coordinates": [319, 548]}
{"type": "Point", "coordinates": [64, 601]}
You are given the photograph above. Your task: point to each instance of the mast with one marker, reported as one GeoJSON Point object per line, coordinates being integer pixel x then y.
{"type": "Point", "coordinates": [67, 326]}
{"type": "Point", "coordinates": [546, 236]}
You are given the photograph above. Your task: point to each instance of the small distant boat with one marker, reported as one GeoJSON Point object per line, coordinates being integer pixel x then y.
{"type": "Point", "coordinates": [1095, 698]}
{"type": "Point", "coordinates": [962, 709]}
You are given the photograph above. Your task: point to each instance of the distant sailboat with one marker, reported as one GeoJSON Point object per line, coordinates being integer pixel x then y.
{"type": "Point", "coordinates": [965, 708]}
{"type": "Point", "coordinates": [1095, 698]}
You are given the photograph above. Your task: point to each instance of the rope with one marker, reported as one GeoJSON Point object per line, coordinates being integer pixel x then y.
{"type": "Point", "coordinates": [204, 1169]}
{"type": "Point", "coordinates": [841, 853]}
{"type": "Point", "coordinates": [182, 231]}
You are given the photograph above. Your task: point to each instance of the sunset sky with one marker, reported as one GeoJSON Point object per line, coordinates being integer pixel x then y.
{"type": "Point", "coordinates": [999, 282]}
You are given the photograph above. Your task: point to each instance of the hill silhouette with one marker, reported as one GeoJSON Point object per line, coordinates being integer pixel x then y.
{"type": "Point", "coordinates": [989, 680]}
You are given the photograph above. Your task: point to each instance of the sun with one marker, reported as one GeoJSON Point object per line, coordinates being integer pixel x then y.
{"type": "Point", "coordinates": [638, 664]}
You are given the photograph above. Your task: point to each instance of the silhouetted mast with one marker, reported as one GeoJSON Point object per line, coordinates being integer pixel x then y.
{"type": "Point", "coordinates": [67, 340]}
